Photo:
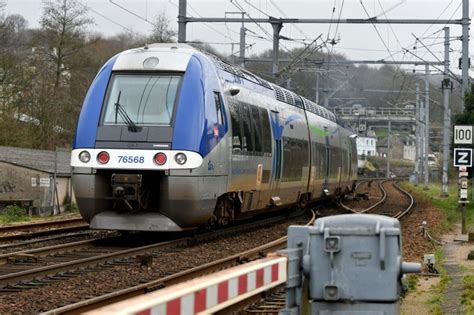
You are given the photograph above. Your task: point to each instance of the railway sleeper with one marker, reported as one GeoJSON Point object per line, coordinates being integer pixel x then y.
{"type": "Point", "coordinates": [22, 258]}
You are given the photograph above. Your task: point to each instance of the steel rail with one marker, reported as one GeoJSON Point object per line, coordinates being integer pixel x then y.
{"type": "Point", "coordinates": [179, 277]}
{"type": "Point", "coordinates": [44, 251]}
{"type": "Point", "coordinates": [398, 215]}
{"type": "Point", "coordinates": [28, 235]}
{"type": "Point", "coordinates": [412, 202]}
{"type": "Point", "coordinates": [26, 226]}
{"type": "Point", "coordinates": [55, 269]}
{"type": "Point", "coordinates": [46, 239]}
{"type": "Point", "coordinates": [384, 197]}
{"type": "Point", "coordinates": [45, 271]}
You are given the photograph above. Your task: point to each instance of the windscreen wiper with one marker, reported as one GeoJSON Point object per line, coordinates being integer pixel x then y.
{"type": "Point", "coordinates": [119, 110]}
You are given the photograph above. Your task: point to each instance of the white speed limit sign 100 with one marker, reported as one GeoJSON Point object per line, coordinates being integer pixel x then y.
{"type": "Point", "coordinates": [462, 134]}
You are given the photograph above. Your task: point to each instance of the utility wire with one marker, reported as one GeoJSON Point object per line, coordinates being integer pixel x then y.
{"type": "Point", "coordinates": [437, 68]}
{"type": "Point", "coordinates": [105, 17]}
{"type": "Point", "coordinates": [132, 13]}
{"type": "Point", "coordinates": [391, 8]}
{"type": "Point", "coordinates": [270, 36]}
{"type": "Point", "coordinates": [285, 16]}
{"type": "Point", "coordinates": [434, 55]}
{"type": "Point", "coordinates": [376, 30]}
{"type": "Point", "coordinates": [338, 21]}
{"type": "Point", "coordinates": [332, 17]}
{"type": "Point", "coordinates": [209, 26]}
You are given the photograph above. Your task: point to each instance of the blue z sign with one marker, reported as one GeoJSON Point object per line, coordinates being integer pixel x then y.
{"type": "Point", "coordinates": [463, 157]}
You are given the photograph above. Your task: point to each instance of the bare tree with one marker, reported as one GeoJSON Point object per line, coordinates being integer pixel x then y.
{"type": "Point", "coordinates": [162, 31]}
{"type": "Point", "coordinates": [64, 25]}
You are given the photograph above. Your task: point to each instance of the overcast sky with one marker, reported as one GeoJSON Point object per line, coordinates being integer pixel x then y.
{"type": "Point", "coordinates": [355, 41]}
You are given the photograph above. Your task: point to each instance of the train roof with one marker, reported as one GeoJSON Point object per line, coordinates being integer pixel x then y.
{"type": "Point", "coordinates": [281, 94]}
{"type": "Point", "coordinates": [175, 57]}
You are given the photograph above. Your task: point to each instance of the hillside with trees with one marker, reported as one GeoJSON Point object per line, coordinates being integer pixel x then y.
{"type": "Point", "coordinates": [46, 71]}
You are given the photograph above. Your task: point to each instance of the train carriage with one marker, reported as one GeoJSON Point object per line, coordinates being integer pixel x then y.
{"type": "Point", "coordinates": [170, 138]}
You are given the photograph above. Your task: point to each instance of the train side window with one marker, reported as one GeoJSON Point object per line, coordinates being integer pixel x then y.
{"type": "Point", "coordinates": [236, 132]}
{"type": "Point", "coordinates": [257, 130]}
{"type": "Point", "coordinates": [219, 108]}
{"type": "Point", "coordinates": [266, 131]}
{"type": "Point", "coordinates": [247, 144]}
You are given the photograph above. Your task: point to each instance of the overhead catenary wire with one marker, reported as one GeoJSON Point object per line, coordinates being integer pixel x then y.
{"type": "Point", "coordinates": [270, 36]}
{"type": "Point", "coordinates": [433, 54]}
{"type": "Point", "coordinates": [285, 16]}
{"type": "Point", "coordinates": [105, 17]}
{"type": "Point", "coordinates": [133, 13]}
{"type": "Point", "coordinates": [376, 30]}
{"type": "Point", "coordinates": [209, 26]}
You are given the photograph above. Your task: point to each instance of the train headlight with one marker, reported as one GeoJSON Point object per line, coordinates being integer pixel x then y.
{"type": "Point", "coordinates": [103, 157]}
{"type": "Point", "coordinates": [151, 62]}
{"type": "Point", "coordinates": [180, 158]}
{"type": "Point", "coordinates": [84, 156]}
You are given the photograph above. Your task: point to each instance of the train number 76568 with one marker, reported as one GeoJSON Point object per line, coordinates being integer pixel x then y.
{"type": "Point", "coordinates": [131, 159]}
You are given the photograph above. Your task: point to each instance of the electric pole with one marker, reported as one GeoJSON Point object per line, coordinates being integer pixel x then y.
{"type": "Point", "coordinates": [427, 125]}
{"type": "Point", "coordinates": [389, 146]}
{"type": "Point", "coordinates": [276, 46]}
{"type": "Point", "coordinates": [417, 133]}
{"type": "Point", "coordinates": [242, 44]}
{"type": "Point", "coordinates": [465, 86]}
{"type": "Point", "coordinates": [421, 158]}
{"type": "Point", "coordinates": [182, 21]}
{"type": "Point", "coordinates": [446, 85]}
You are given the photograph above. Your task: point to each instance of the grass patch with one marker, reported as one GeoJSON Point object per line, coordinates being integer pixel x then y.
{"type": "Point", "coordinates": [13, 213]}
{"type": "Point", "coordinates": [468, 293]}
{"type": "Point", "coordinates": [71, 208]}
{"type": "Point", "coordinates": [381, 162]}
{"type": "Point", "coordinates": [411, 282]}
{"type": "Point", "coordinates": [449, 205]}
{"type": "Point", "coordinates": [436, 301]}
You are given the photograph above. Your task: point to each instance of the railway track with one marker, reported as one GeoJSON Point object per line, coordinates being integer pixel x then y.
{"type": "Point", "coordinates": [380, 199]}
{"type": "Point", "coordinates": [273, 301]}
{"type": "Point", "coordinates": [388, 204]}
{"type": "Point", "coordinates": [32, 230]}
{"type": "Point", "coordinates": [46, 274]}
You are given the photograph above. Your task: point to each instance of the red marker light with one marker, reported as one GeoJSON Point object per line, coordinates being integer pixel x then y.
{"type": "Point", "coordinates": [103, 157]}
{"type": "Point", "coordinates": [160, 158]}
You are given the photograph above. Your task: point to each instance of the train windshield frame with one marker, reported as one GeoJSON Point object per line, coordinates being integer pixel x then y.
{"type": "Point", "coordinates": [148, 99]}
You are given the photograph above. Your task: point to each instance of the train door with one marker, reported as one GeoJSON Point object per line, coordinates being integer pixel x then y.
{"type": "Point", "coordinates": [275, 178]}
{"type": "Point", "coordinates": [349, 161]}
{"type": "Point", "coordinates": [328, 164]}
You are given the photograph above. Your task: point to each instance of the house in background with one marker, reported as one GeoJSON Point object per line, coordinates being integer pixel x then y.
{"type": "Point", "coordinates": [366, 145]}
{"type": "Point", "coordinates": [402, 147]}
{"type": "Point", "coordinates": [27, 179]}
{"type": "Point", "coordinates": [409, 148]}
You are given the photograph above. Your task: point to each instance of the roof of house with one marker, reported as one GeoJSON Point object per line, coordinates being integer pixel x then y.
{"type": "Point", "coordinates": [41, 160]}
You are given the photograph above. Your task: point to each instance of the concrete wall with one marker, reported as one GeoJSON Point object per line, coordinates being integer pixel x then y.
{"type": "Point", "coordinates": [20, 183]}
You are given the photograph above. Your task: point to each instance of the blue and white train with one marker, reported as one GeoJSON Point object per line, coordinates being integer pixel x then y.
{"type": "Point", "coordinates": [170, 138]}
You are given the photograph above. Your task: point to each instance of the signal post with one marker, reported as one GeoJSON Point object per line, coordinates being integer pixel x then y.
{"type": "Point", "coordinates": [463, 161]}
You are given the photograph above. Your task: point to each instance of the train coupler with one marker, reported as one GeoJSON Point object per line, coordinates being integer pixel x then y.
{"type": "Point", "coordinates": [126, 186]}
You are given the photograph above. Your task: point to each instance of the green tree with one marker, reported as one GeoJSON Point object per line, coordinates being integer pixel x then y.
{"type": "Point", "coordinates": [64, 25]}
{"type": "Point", "coordinates": [466, 117]}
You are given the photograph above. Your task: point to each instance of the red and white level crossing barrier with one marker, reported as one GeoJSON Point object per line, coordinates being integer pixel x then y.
{"type": "Point", "coordinates": [206, 294]}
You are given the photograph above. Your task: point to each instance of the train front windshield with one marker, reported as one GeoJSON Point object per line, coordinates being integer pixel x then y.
{"type": "Point", "coordinates": [145, 99]}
